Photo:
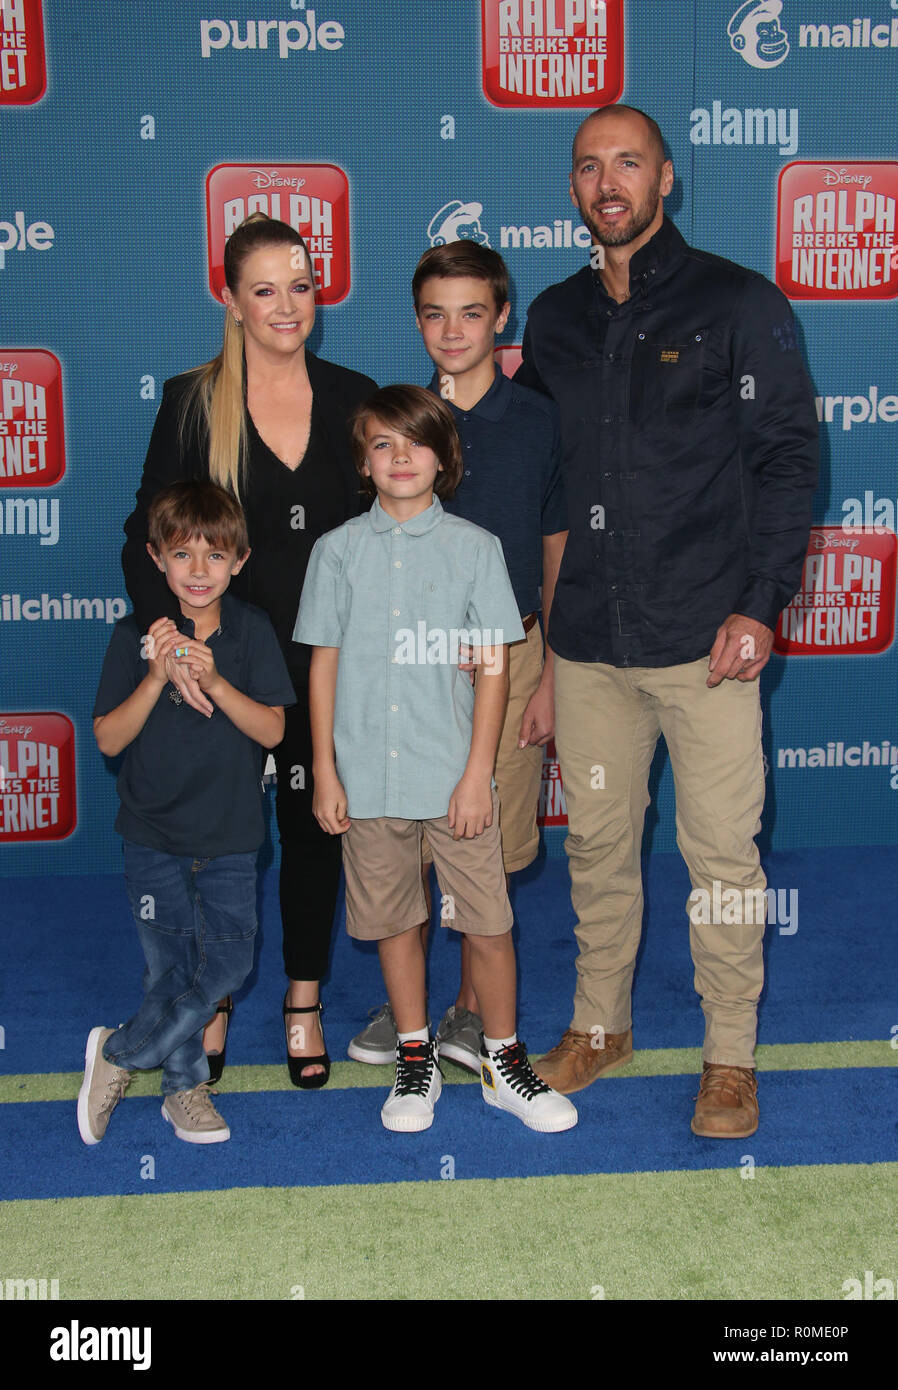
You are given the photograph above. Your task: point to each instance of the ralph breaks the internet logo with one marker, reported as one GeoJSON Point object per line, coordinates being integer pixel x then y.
{"type": "Point", "coordinates": [23, 65]}
{"type": "Point", "coordinates": [311, 198]}
{"type": "Point", "coordinates": [37, 777]}
{"type": "Point", "coordinates": [32, 448]}
{"type": "Point", "coordinates": [846, 603]}
{"type": "Point", "coordinates": [552, 52]}
{"type": "Point", "coordinates": [836, 230]}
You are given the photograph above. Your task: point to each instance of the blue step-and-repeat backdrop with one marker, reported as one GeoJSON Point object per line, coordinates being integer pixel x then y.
{"type": "Point", "coordinates": [136, 135]}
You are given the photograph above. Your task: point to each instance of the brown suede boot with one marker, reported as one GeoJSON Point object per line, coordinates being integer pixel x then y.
{"type": "Point", "coordinates": [726, 1106]}
{"type": "Point", "coordinates": [577, 1060]}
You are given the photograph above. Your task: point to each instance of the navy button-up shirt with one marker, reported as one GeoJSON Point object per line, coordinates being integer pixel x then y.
{"type": "Point", "coordinates": [511, 485]}
{"type": "Point", "coordinates": [689, 442]}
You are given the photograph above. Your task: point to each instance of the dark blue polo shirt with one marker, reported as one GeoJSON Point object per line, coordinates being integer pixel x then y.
{"type": "Point", "coordinates": [191, 784]}
{"type": "Point", "coordinates": [511, 486]}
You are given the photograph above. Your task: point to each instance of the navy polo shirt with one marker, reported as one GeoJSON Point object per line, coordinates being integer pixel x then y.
{"type": "Point", "coordinates": [511, 485]}
{"type": "Point", "coordinates": [191, 784]}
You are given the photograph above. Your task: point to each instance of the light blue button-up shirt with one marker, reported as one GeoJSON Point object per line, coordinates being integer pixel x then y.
{"type": "Point", "coordinates": [397, 598]}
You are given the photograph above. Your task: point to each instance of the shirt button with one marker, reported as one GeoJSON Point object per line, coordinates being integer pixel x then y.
{"type": "Point", "coordinates": [393, 753]}
{"type": "Point", "coordinates": [397, 564]}
{"type": "Point", "coordinates": [606, 419]}
{"type": "Point", "coordinates": [641, 337]}
{"type": "Point", "coordinates": [397, 530]}
{"type": "Point", "coordinates": [606, 475]}
{"type": "Point", "coordinates": [394, 708]}
{"type": "Point", "coordinates": [467, 472]}
{"type": "Point", "coordinates": [610, 356]}
{"type": "Point", "coordinates": [698, 337]}
{"type": "Point", "coordinates": [614, 588]}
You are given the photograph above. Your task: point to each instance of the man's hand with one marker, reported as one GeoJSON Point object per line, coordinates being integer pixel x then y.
{"type": "Point", "coordinates": [470, 808]}
{"type": "Point", "coordinates": [538, 719]}
{"type": "Point", "coordinates": [329, 804]}
{"type": "Point", "coordinates": [741, 650]}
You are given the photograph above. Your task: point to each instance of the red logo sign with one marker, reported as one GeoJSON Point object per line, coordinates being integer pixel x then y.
{"type": "Point", "coordinates": [836, 230]}
{"type": "Point", "coordinates": [509, 357]}
{"type": "Point", "coordinates": [32, 449]}
{"type": "Point", "coordinates": [846, 603]}
{"type": "Point", "coordinates": [552, 809]}
{"type": "Point", "coordinates": [23, 67]}
{"type": "Point", "coordinates": [552, 52]}
{"type": "Point", "coordinates": [311, 198]}
{"type": "Point", "coordinates": [37, 777]}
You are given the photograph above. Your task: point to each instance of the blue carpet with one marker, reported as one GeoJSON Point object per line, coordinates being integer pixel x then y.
{"type": "Point", "coordinates": [335, 1137]}
{"type": "Point", "coordinates": [72, 960]}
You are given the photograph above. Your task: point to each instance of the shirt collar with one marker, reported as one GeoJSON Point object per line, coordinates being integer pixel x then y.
{"type": "Point", "coordinates": [418, 525]}
{"type": "Point", "coordinates": [651, 261]}
{"type": "Point", "coordinates": [492, 406]}
{"type": "Point", "coordinates": [226, 617]}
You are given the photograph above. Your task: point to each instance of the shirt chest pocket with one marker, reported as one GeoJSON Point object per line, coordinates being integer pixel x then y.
{"type": "Point", "coordinates": [444, 601]}
{"type": "Point", "coordinates": [665, 379]}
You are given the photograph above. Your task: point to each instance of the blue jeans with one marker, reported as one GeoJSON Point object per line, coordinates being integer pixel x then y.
{"type": "Point", "coordinates": [196, 919]}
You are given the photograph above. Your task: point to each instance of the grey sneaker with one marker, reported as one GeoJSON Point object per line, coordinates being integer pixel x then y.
{"type": "Point", "coordinates": [103, 1087]}
{"type": "Point", "coordinates": [376, 1043]}
{"type": "Point", "coordinates": [458, 1038]}
{"type": "Point", "coordinates": [194, 1117]}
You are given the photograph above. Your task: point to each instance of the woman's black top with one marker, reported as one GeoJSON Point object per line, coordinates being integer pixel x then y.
{"type": "Point", "coordinates": [286, 509]}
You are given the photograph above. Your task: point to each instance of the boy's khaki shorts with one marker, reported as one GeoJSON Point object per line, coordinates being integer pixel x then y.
{"type": "Point", "coordinates": [518, 770]}
{"type": "Point", "coordinates": [384, 892]}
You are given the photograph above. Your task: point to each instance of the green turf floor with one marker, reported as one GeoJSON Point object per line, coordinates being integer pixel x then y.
{"type": "Point", "coordinates": [785, 1233]}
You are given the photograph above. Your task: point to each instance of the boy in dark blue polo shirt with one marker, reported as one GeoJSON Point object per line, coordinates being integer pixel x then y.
{"type": "Point", "coordinates": [191, 811]}
{"type": "Point", "coordinates": [511, 485]}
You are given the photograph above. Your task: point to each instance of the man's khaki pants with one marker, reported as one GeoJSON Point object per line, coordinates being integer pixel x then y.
{"type": "Point", "coordinates": [608, 721]}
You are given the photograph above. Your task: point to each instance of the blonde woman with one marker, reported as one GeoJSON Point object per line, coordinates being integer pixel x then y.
{"type": "Point", "coordinates": [266, 419]}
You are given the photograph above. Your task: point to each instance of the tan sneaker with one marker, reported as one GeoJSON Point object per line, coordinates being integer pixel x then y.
{"type": "Point", "coordinates": [577, 1060]}
{"type": "Point", "coordinates": [104, 1085]}
{"type": "Point", "coordinates": [726, 1106]}
{"type": "Point", "coordinates": [194, 1117]}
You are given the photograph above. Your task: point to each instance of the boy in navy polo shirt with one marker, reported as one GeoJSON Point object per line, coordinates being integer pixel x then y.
{"type": "Point", "coordinates": [510, 485]}
{"type": "Point", "coordinates": [191, 805]}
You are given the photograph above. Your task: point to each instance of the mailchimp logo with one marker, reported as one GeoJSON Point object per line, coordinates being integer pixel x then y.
{"type": "Point", "coordinates": [756, 35]}
{"type": "Point", "coordinates": [457, 221]}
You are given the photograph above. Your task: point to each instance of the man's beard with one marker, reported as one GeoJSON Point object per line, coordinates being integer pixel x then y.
{"type": "Point", "coordinates": [625, 232]}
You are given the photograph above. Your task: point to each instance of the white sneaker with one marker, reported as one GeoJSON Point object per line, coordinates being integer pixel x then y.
{"type": "Point", "coordinates": [409, 1106]}
{"type": "Point", "coordinates": [508, 1082]}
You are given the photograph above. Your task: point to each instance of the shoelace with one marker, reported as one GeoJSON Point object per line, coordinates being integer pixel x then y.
{"type": "Point", "coordinates": [199, 1100]}
{"type": "Point", "coordinates": [728, 1080]}
{"type": "Point", "coordinates": [414, 1068]}
{"type": "Point", "coordinates": [115, 1090]}
{"type": "Point", "coordinates": [517, 1072]}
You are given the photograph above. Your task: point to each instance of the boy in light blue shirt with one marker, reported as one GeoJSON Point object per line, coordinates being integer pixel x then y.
{"type": "Point", "coordinates": [402, 740]}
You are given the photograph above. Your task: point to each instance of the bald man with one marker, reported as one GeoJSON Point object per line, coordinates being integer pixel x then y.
{"type": "Point", "coordinates": [689, 460]}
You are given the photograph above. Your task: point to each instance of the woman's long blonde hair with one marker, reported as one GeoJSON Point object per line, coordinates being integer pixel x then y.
{"type": "Point", "coordinates": [216, 399]}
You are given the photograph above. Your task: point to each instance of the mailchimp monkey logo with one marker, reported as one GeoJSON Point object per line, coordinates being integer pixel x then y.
{"type": "Point", "coordinates": [756, 35]}
{"type": "Point", "coordinates": [457, 221]}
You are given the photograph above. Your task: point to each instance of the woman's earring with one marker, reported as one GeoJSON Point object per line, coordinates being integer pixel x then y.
{"type": "Point", "coordinates": [238, 322]}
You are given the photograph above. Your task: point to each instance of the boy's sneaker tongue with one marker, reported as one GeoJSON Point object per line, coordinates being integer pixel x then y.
{"type": "Point", "coordinates": [409, 1106]}
{"type": "Point", "coordinates": [508, 1082]}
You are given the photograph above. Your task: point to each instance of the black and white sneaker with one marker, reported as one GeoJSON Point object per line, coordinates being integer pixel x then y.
{"type": "Point", "coordinates": [409, 1106]}
{"type": "Point", "coordinates": [508, 1082]}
